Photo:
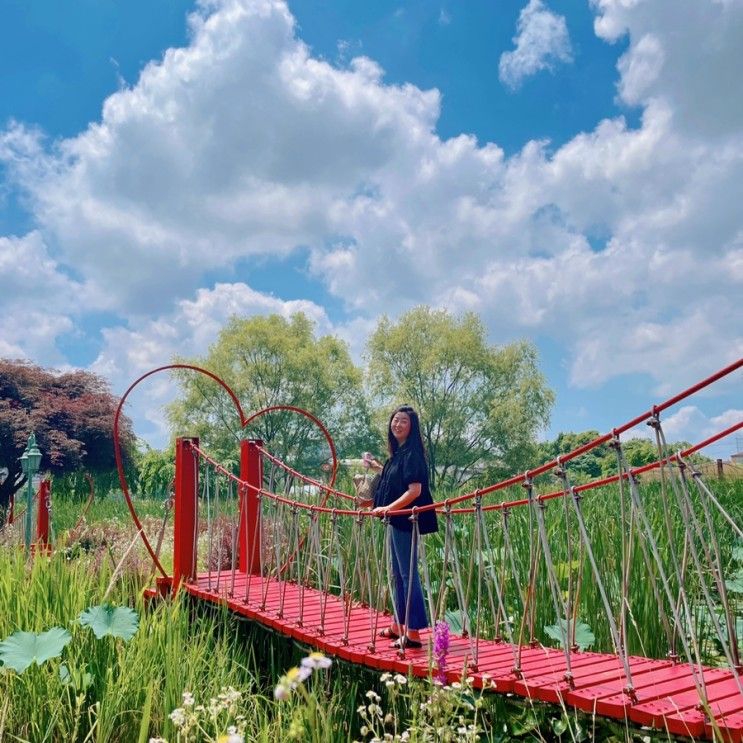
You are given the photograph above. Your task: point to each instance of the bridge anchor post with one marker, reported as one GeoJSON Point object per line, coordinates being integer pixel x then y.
{"type": "Point", "coordinates": [251, 472]}
{"type": "Point", "coordinates": [186, 511]}
{"type": "Point", "coordinates": [44, 495]}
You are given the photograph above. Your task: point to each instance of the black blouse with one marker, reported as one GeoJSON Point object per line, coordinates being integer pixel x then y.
{"type": "Point", "coordinates": [405, 467]}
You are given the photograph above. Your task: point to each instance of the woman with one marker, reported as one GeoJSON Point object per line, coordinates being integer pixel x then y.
{"type": "Point", "coordinates": [404, 484]}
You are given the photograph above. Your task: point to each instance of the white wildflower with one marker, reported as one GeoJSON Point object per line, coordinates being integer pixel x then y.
{"type": "Point", "coordinates": [187, 699]}
{"type": "Point", "coordinates": [282, 692]}
{"type": "Point", "coordinates": [317, 660]}
{"type": "Point", "coordinates": [178, 717]}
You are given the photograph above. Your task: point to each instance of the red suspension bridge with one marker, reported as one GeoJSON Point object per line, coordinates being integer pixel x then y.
{"type": "Point", "coordinates": [644, 564]}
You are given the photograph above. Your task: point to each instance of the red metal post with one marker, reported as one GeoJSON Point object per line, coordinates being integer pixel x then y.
{"type": "Point", "coordinates": [251, 471]}
{"type": "Point", "coordinates": [42, 515]}
{"type": "Point", "coordinates": [185, 511]}
{"type": "Point", "coordinates": [11, 508]}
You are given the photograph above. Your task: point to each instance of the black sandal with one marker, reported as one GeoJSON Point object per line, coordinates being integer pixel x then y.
{"type": "Point", "coordinates": [405, 642]}
{"type": "Point", "coordinates": [389, 634]}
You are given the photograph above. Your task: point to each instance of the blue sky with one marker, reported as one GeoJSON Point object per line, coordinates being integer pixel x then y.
{"type": "Point", "coordinates": [567, 170]}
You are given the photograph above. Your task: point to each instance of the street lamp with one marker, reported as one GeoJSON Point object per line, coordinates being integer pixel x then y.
{"type": "Point", "coordinates": [30, 461]}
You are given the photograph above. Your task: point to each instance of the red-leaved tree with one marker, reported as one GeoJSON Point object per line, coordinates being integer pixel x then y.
{"type": "Point", "coordinates": [71, 414]}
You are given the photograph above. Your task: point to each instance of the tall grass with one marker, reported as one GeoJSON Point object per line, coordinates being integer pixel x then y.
{"type": "Point", "coordinates": [133, 686]}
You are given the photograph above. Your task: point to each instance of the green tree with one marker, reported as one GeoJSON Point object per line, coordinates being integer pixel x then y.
{"type": "Point", "coordinates": [71, 414]}
{"type": "Point", "coordinates": [155, 471]}
{"type": "Point", "coordinates": [602, 460]}
{"type": "Point", "coordinates": [480, 405]}
{"type": "Point", "coordinates": [583, 468]}
{"type": "Point", "coordinates": [267, 361]}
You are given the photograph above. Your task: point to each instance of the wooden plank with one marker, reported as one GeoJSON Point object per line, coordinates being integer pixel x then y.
{"type": "Point", "coordinates": [665, 693]}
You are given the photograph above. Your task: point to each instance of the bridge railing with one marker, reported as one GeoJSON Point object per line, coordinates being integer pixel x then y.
{"type": "Point", "coordinates": [642, 569]}
{"type": "Point", "coordinates": [615, 565]}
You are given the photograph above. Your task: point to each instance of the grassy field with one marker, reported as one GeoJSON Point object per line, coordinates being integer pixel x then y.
{"type": "Point", "coordinates": [118, 689]}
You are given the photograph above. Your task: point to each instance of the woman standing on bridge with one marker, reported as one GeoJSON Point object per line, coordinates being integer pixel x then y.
{"type": "Point", "coordinates": [404, 484]}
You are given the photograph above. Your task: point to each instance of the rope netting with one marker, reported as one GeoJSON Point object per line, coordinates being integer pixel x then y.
{"type": "Point", "coordinates": [619, 565]}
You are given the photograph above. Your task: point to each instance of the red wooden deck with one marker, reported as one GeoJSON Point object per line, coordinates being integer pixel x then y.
{"type": "Point", "coordinates": [666, 697]}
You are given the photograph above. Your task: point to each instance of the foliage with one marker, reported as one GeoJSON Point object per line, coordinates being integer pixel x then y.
{"type": "Point", "coordinates": [735, 582]}
{"type": "Point", "coordinates": [208, 722]}
{"type": "Point", "coordinates": [585, 467]}
{"type": "Point", "coordinates": [104, 686]}
{"type": "Point", "coordinates": [71, 414]}
{"type": "Point", "coordinates": [274, 361]}
{"type": "Point", "coordinates": [110, 621]}
{"type": "Point", "coordinates": [480, 405]}
{"type": "Point", "coordinates": [23, 649]}
{"type": "Point", "coordinates": [580, 633]}
{"type": "Point", "coordinates": [437, 712]}
{"type": "Point", "coordinates": [601, 461]}
{"type": "Point", "coordinates": [155, 471]}
{"type": "Point", "coordinates": [109, 690]}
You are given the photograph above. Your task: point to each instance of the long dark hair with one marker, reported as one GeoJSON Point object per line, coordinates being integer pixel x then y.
{"type": "Point", "coordinates": [415, 440]}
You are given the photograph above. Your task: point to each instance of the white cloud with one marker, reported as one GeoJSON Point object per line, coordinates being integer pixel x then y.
{"type": "Point", "coordinates": [688, 53]}
{"type": "Point", "coordinates": [38, 301]}
{"type": "Point", "coordinates": [243, 143]}
{"type": "Point", "coordinates": [187, 331]}
{"type": "Point", "coordinates": [190, 328]}
{"type": "Point", "coordinates": [239, 144]}
{"type": "Point", "coordinates": [542, 40]}
{"type": "Point", "coordinates": [691, 424]}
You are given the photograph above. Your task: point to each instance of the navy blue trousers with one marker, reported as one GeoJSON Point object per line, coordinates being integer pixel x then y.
{"type": "Point", "coordinates": [404, 579]}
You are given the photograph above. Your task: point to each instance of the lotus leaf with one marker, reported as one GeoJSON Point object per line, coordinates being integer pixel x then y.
{"type": "Point", "coordinates": [22, 649]}
{"type": "Point", "coordinates": [584, 637]}
{"type": "Point", "coordinates": [116, 621]}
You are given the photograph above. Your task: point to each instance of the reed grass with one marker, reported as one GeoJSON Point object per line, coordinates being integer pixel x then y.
{"type": "Point", "coordinates": [132, 687]}
{"type": "Point", "coordinates": [135, 685]}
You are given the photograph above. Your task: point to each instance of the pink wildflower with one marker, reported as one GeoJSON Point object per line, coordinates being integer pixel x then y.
{"type": "Point", "coordinates": [441, 649]}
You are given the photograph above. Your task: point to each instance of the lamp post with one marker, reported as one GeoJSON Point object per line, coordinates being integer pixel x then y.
{"type": "Point", "coordinates": [30, 461]}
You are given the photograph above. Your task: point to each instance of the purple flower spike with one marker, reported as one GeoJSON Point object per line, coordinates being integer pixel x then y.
{"type": "Point", "coordinates": [441, 649]}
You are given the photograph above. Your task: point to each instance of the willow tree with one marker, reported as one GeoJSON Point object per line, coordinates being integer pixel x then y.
{"type": "Point", "coordinates": [267, 361]}
{"type": "Point", "coordinates": [481, 405]}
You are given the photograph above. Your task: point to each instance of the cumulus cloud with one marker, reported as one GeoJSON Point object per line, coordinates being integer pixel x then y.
{"type": "Point", "coordinates": [624, 245]}
{"type": "Point", "coordinates": [687, 53]}
{"type": "Point", "coordinates": [190, 328]}
{"type": "Point", "coordinates": [689, 423]}
{"type": "Point", "coordinates": [240, 144]}
{"type": "Point", "coordinates": [541, 42]}
{"type": "Point", "coordinates": [186, 331]}
{"type": "Point", "coordinates": [37, 300]}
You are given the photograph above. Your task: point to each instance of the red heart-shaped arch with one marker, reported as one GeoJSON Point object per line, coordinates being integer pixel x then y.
{"type": "Point", "coordinates": [244, 421]}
